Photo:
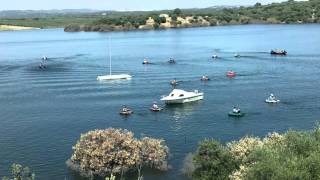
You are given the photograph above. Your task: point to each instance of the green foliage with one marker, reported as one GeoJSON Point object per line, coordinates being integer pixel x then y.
{"type": "Point", "coordinates": [297, 158]}
{"type": "Point", "coordinates": [293, 155]}
{"type": "Point", "coordinates": [18, 172]}
{"type": "Point", "coordinates": [213, 161]}
{"type": "Point", "coordinates": [177, 11]}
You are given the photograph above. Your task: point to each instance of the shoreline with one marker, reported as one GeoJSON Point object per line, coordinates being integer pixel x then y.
{"type": "Point", "coordinates": [187, 27]}
{"type": "Point", "coordinates": [15, 28]}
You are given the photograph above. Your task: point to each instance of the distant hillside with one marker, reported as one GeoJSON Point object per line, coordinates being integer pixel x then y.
{"type": "Point", "coordinates": [44, 13]}
{"type": "Point", "coordinates": [92, 20]}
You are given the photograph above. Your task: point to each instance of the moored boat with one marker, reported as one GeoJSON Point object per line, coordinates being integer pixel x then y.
{"type": "Point", "coordinates": [126, 111]}
{"type": "Point", "coordinates": [278, 52]}
{"type": "Point", "coordinates": [272, 99]}
{"type": "Point", "coordinates": [231, 74]}
{"type": "Point", "coordinates": [205, 78]}
{"type": "Point", "coordinates": [145, 61]}
{"type": "Point", "coordinates": [171, 61]}
{"type": "Point", "coordinates": [234, 114]}
{"type": "Point", "coordinates": [114, 77]}
{"type": "Point", "coordinates": [178, 96]}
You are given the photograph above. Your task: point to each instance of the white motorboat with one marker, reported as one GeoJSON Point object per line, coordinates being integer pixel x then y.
{"type": "Point", "coordinates": [178, 96]}
{"type": "Point", "coordinates": [111, 76]}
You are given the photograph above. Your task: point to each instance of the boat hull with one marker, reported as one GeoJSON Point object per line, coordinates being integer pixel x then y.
{"type": "Point", "coordinates": [184, 100]}
{"type": "Point", "coordinates": [272, 101]}
{"type": "Point", "coordinates": [232, 114]}
{"type": "Point", "coordinates": [114, 77]}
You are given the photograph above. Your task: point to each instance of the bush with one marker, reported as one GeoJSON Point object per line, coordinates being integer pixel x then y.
{"type": "Point", "coordinates": [292, 155]}
{"type": "Point", "coordinates": [115, 151]}
{"type": "Point", "coordinates": [18, 172]}
{"type": "Point", "coordinates": [213, 161]}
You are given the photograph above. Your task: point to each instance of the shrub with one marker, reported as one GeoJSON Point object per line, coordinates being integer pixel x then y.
{"type": "Point", "coordinates": [213, 161]}
{"type": "Point", "coordinates": [18, 172]}
{"type": "Point", "coordinates": [115, 151]}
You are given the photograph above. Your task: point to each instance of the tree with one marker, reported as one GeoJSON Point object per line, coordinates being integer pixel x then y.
{"type": "Point", "coordinates": [177, 11]}
{"type": "Point", "coordinates": [213, 161]}
{"type": "Point", "coordinates": [114, 151]}
{"type": "Point", "coordinates": [18, 172]}
{"type": "Point", "coordinates": [257, 4]}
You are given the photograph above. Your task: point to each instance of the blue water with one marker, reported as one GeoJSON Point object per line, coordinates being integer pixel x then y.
{"type": "Point", "coordinates": [43, 113]}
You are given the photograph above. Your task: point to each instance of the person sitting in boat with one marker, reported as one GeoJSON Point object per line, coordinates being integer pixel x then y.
{"type": "Point", "coordinates": [145, 61]}
{"type": "Point", "coordinates": [236, 110]}
{"type": "Point", "coordinates": [155, 106]}
{"type": "Point", "coordinates": [272, 97]}
{"type": "Point", "coordinates": [205, 78]}
{"type": "Point", "coordinates": [125, 109]}
{"type": "Point", "coordinates": [174, 82]}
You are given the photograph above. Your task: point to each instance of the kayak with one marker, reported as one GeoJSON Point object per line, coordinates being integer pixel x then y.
{"type": "Point", "coordinates": [272, 100]}
{"type": "Point", "coordinates": [233, 114]}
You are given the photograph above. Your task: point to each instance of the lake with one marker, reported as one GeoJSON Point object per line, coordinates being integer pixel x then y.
{"type": "Point", "coordinates": [43, 112]}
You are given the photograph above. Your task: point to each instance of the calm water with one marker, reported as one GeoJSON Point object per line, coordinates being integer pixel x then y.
{"type": "Point", "coordinates": [43, 113]}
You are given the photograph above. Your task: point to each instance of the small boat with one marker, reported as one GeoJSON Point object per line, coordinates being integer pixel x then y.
{"type": "Point", "coordinates": [214, 56]}
{"type": "Point", "coordinates": [278, 52]}
{"type": "Point", "coordinates": [126, 112]}
{"type": "Point", "coordinates": [234, 114]}
{"type": "Point", "coordinates": [178, 96]}
{"type": "Point", "coordinates": [145, 61]}
{"type": "Point", "coordinates": [171, 61]}
{"type": "Point", "coordinates": [237, 55]}
{"type": "Point", "coordinates": [231, 74]}
{"type": "Point", "coordinates": [272, 101]}
{"type": "Point", "coordinates": [205, 78]}
{"type": "Point", "coordinates": [155, 109]}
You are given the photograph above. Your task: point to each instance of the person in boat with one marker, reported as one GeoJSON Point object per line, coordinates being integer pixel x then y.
{"type": "Point", "coordinates": [171, 61]}
{"type": "Point", "coordinates": [174, 81]}
{"type": "Point", "coordinates": [205, 78]}
{"type": "Point", "coordinates": [125, 109]}
{"type": "Point", "coordinates": [145, 61]}
{"type": "Point", "coordinates": [237, 55]}
{"type": "Point", "coordinates": [236, 110]}
{"type": "Point", "coordinates": [272, 97]}
{"type": "Point", "coordinates": [155, 106]}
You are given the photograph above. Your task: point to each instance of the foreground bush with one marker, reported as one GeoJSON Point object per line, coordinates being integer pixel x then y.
{"type": "Point", "coordinates": [292, 155]}
{"type": "Point", "coordinates": [19, 172]}
{"type": "Point", "coordinates": [115, 151]}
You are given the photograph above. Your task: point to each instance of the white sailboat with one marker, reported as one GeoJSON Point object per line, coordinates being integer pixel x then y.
{"type": "Point", "coordinates": [111, 76]}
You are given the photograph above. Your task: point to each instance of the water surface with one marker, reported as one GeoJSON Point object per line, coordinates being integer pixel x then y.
{"type": "Point", "coordinates": [43, 113]}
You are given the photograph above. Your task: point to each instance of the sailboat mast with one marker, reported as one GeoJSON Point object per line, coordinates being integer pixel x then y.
{"type": "Point", "coordinates": [110, 70]}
